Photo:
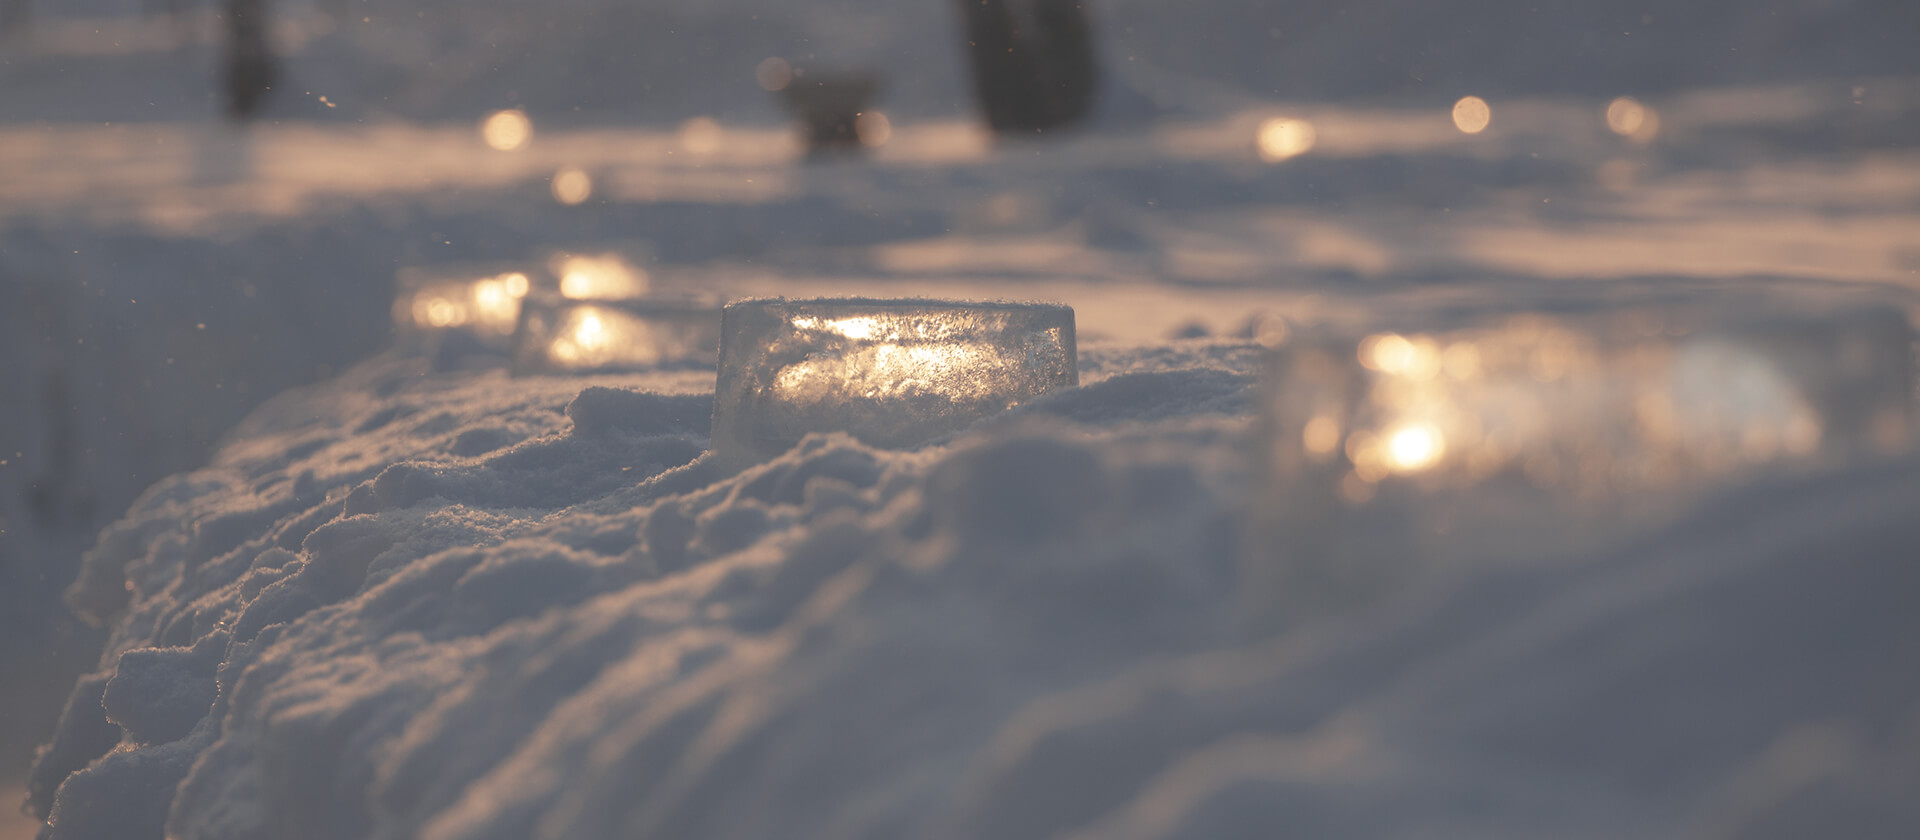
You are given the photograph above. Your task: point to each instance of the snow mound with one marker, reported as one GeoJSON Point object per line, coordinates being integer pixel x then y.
{"type": "Point", "coordinates": [416, 604]}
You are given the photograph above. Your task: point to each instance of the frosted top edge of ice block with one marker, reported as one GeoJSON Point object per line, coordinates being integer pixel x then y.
{"type": "Point", "coordinates": [1534, 436]}
{"type": "Point", "coordinates": [562, 336]}
{"type": "Point", "coordinates": [891, 372]}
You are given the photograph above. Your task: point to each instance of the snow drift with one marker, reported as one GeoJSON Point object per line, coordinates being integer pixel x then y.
{"type": "Point", "coordinates": [407, 603]}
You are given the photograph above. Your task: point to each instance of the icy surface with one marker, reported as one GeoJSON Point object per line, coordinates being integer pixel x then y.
{"type": "Point", "coordinates": [892, 373]}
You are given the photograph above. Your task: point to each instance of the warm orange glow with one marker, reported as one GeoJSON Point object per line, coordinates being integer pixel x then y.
{"type": "Point", "coordinates": [572, 185]}
{"type": "Point", "coordinates": [1416, 358]}
{"type": "Point", "coordinates": [1627, 117]}
{"type": "Point", "coordinates": [605, 277]}
{"type": "Point", "coordinates": [1461, 360]}
{"type": "Point", "coordinates": [701, 136]}
{"type": "Point", "coordinates": [873, 128]}
{"type": "Point", "coordinates": [516, 283]}
{"type": "Point", "coordinates": [1281, 138]}
{"type": "Point", "coordinates": [489, 304]}
{"type": "Point", "coordinates": [1321, 435]}
{"type": "Point", "coordinates": [1414, 447]}
{"type": "Point", "coordinates": [507, 130]}
{"type": "Point", "coordinates": [774, 74]}
{"type": "Point", "coordinates": [1472, 115]}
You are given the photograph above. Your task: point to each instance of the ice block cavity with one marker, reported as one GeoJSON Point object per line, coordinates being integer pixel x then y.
{"type": "Point", "coordinates": [561, 336]}
{"type": "Point", "coordinates": [1535, 435]}
{"type": "Point", "coordinates": [893, 373]}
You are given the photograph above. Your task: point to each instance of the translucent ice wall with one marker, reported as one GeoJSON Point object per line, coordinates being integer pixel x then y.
{"type": "Point", "coordinates": [1536, 436]}
{"type": "Point", "coordinates": [891, 372]}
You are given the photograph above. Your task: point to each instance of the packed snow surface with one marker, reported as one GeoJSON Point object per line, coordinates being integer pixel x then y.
{"type": "Point", "coordinates": [444, 604]}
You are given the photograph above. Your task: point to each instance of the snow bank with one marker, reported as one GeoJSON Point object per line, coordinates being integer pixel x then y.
{"type": "Point", "coordinates": [409, 604]}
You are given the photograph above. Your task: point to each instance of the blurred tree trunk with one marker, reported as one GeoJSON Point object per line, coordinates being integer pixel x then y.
{"type": "Point", "coordinates": [1033, 62]}
{"type": "Point", "coordinates": [250, 67]}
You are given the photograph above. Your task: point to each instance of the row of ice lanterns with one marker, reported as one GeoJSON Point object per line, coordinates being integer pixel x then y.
{"type": "Point", "coordinates": [1281, 138]}
{"type": "Point", "coordinates": [1555, 423]}
{"type": "Point", "coordinates": [1646, 397]}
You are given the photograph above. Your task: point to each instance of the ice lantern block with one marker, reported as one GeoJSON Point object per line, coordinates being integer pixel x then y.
{"type": "Point", "coordinates": [1391, 453]}
{"type": "Point", "coordinates": [893, 373]}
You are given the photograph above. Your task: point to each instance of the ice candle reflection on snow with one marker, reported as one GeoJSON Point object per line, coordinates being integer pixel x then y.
{"type": "Point", "coordinates": [1536, 436]}
{"type": "Point", "coordinates": [893, 373]}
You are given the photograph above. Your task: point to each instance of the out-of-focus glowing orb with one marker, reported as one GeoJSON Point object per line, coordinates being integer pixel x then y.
{"type": "Point", "coordinates": [1321, 435]}
{"type": "Point", "coordinates": [773, 74]}
{"type": "Point", "coordinates": [873, 128]}
{"type": "Point", "coordinates": [1472, 114]}
{"type": "Point", "coordinates": [701, 136]}
{"type": "Point", "coordinates": [1414, 447]}
{"type": "Point", "coordinates": [571, 185]}
{"type": "Point", "coordinates": [516, 283]}
{"type": "Point", "coordinates": [1627, 117]}
{"type": "Point", "coordinates": [1417, 357]}
{"type": "Point", "coordinates": [441, 312]}
{"type": "Point", "coordinates": [606, 277]}
{"type": "Point", "coordinates": [1282, 138]}
{"type": "Point", "coordinates": [506, 130]}
{"type": "Point", "coordinates": [1270, 330]}
{"type": "Point", "coordinates": [493, 301]}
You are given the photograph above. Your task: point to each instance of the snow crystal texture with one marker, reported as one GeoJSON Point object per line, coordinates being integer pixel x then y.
{"type": "Point", "coordinates": [407, 604]}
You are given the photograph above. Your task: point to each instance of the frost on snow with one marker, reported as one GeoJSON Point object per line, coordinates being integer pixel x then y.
{"type": "Point", "coordinates": [406, 604]}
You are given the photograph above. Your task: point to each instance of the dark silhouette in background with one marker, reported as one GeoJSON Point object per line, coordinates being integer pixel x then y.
{"type": "Point", "coordinates": [1033, 62]}
{"type": "Point", "coordinates": [829, 109]}
{"type": "Point", "coordinates": [250, 68]}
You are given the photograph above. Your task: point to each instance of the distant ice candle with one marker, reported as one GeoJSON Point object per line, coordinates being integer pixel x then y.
{"type": "Point", "coordinates": [893, 373]}
{"type": "Point", "coordinates": [479, 302]}
{"type": "Point", "coordinates": [563, 336]}
{"type": "Point", "coordinates": [1534, 435]}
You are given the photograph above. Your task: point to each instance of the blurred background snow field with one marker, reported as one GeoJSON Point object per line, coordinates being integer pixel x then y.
{"type": "Point", "coordinates": [1250, 170]}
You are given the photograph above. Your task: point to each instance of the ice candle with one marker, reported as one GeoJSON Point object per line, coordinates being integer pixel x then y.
{"type": "Point", "coordinates": [1531, 436]}
{"type": "Point", "coordinates": [893, 373]}
{"type": "Point", "coordinates": [560, 335]}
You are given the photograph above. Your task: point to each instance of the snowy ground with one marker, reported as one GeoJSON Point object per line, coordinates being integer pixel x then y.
{"type": "Point", "coordinates": [166, 274]}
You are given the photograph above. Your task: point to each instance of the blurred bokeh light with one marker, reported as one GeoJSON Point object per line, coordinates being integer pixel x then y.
{"type": "Point", "coordinates": [507, 130]}
{"type": "Point", "coordinates": [572, 185]}
{"type": "Point", "coordinates": [1282, 138]}
{"type": "Point", "coordinates": [1472, 114]}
